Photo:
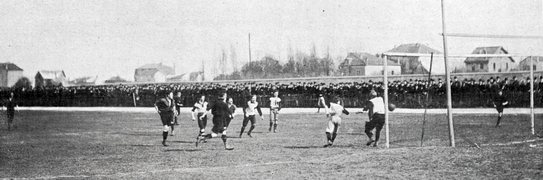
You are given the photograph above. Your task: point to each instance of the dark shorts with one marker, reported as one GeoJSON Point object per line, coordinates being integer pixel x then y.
{"type": "Point", "coordinates": [218, 124]}
{"type": "Point", "coordinates": [377, 121]}
{"type": "Point", "coordinates": [499, 109]}
{"type": "Point", "coordinates": [251, 118]}
{"type": "Point", "coordinates": [167, 118]}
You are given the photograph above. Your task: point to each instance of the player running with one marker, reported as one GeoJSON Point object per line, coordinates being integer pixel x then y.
{"type": "Point", "coordinates": [249, 111]}
{"type": "Point", "coordinates": [221, 113]}
{"type": "Point", "coordinates": [274, 110]}
{"type": "Point", "coordinates": [334, 120]}
{"type": "Point", "coordinates": [321, 103]}
{"type": "Point", "coordinates": [376, 107]}
{"type": "Point", "coordinates": [166, 108]}
{"type": "Point", "coordinates": [232, 108]}
{"type": "Point", "coordinates": [11, 106]}
{"type": "Point", "coordinates": [178, 105]}
{"type": "Point", "coordinates": [499, 103]}
{"type": "Point", "coordinates": [199, 113]}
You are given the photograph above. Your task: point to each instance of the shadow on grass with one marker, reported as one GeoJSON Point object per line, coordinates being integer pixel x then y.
{"type": "Point", "coordinates": [182, 150]}
{"type": "Point", "coordinates": [183, 142]}
{"type": "Point", "coordinates": [316, 147]}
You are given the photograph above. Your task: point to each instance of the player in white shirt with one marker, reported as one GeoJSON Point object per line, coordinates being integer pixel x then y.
{"type": "Point", "coordinates": [274, 110]}
{"type": "Point", "coordinates": [199, 113]}
{"type": "Point", "coordinates": [376, 107]}
{"type": "Point", "coordinates": [250, 109]}
{"type": "Point", "coordinates": [334, 120]}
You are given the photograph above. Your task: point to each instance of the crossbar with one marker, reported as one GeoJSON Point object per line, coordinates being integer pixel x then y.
{"type": "Point", "coordinates": [491, 36]}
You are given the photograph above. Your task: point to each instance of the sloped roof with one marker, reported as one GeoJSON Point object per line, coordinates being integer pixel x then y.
{"type": "Point", "coordinates": [152, 69]}
{"type": "Point", "coordinates": [486, 50]}
{"type": "Point", "coordinates": [537, 59]}
{"type": "Point", "coordinates": [47, 74]}
{"type": "Point", "coordinates": [366, 59]}
{"type": "Point", "coordinates": [414, 48]}
{"type": "Point", "coordinates": [10, 67]}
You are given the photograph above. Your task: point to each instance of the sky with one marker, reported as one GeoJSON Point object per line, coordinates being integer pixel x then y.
{"type": "Point", "coordinates": [107, 38]}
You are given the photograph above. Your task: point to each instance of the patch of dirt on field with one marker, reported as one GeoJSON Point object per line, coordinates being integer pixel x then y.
{"type": "Point", "coordinates": [114, 145]}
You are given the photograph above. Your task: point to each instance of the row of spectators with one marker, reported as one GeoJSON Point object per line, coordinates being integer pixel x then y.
{"type": "Point", "coordinates": [411, 93]}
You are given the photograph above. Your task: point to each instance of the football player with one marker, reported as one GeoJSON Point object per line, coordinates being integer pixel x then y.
{"type": "Point", "coordinates": [274, 110]}
{"type": "Point", "coordinates": [166, 109]}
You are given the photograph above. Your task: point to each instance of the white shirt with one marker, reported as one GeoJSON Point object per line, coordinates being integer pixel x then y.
{"type": "Point", "coordinates": [378, 105]}
{"type": "Point", "coordinates": [336, 110]}
{"type": "Point", "coordinates": [274, 102]}
{"type": "Point", "coordinates": [200, 107]}
{"type": "Point", "coordinates": [250, 110]}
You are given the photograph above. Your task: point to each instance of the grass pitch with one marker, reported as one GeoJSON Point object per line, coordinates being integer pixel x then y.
{"type": "Point", "coordinates": [115, 145]}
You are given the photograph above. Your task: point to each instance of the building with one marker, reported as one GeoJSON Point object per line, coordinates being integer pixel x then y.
{"type": "Point", "coordinates": [489, 64]}
{"type": "Point", "coordinates": [364, 64]}
{"type": "Point", "coordinates": [413, 65]}
{"type": "Point", "coordinates": [46, 78]}
{"type": "Point", "coordinates": [524, 65]}
{"type": "Point", "coordinates": [188, 77]}
{"type": "Point", "coordinates": [153, 73]}
{"type": "Point", "coordinates": [9, 74]}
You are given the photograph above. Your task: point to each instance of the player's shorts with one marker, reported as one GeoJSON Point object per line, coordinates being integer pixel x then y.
{"type": "Point", "coordinates": [251, 118]}
{"type": "Point", "coordinates": [167, 118]}
{"type": "Point", "coordinates": [499, 109]}
{"type": "Point", "coordinates": [218, 124]}
{"type": "Point", "coordinates": [332, 123]}
{"type": "Point", "coordinates": [377, 121]}
{"type": "Point", "coordinates": [274, 110]}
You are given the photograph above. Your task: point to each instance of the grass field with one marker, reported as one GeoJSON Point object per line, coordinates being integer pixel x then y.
{"type": "Point", "coordinates": [116, 145]}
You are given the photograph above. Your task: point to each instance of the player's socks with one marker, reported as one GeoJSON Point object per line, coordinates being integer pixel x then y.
{"type": "Point", "coordinates": [226, 146]}
{"type": "Point", "coordinates": [328, 136]}
{"type": "Point", "coordinates": [334, 137]}
{"type": "Point", "coordinates": [172, 127]}
{"type": "Point", "coordinates": [241, 132]}
{"type": "Point", "coordinates": [251, 130]}
{"type": "Point", "coordinates": [275, 127]}
{"type": "Point", "coordinates": [498, 123]}
{"type": "Point", "coordinates": [271, 124]}
{"type": "Point", "coordinates": [164, 137]}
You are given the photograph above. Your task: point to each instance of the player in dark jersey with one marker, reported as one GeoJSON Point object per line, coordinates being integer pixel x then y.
{"type": "Point", "coordinates": [232, 108]}
{"type": "Point", "coordinates": [499, 103]}
{"type": "Point", "coordinates": [11, 106]}
{"type": "Point", "coordinates": [220, 112]}
{"type": "Point", "coordinates": [178, 105]}
{"type": "Point", "coordinates": [166, 108]}
{"type": "Point", "coordinates": [250, 115]}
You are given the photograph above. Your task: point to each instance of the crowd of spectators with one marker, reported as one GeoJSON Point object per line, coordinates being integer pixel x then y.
{"type": "Point", "coordinates": [412, 93]}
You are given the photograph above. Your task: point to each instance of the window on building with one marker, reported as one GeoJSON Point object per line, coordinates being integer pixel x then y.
{"type": "Point", "coordinates": [506, 66]}
{"type": "Point", "coordinates": [494, 64]}
{"type": "Point", "coordinates": [481, 66]}
{"type": "Point", "coordinates": [473, 68]}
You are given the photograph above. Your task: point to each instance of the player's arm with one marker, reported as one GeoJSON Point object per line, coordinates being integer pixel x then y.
{"type": "Point", "coordinates": [156, 107]}
{"type": "Point", "coordinates": [193, 112]}
{"type": "Point", "coordinates": [234, 111]}
{"type": "Point", "coordinates": [278, 104]}
{"type": "Point", "coordinates": [345, 111]}
{"type": "Point", "coordinates": [370, 110]}
{"type": "Point", "coordinates": [245, 109]}
{"type": "Point", "coordinates": [259, 111]}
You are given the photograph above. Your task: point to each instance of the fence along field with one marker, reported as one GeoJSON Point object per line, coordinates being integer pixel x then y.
{"type": "Point", "coordinates": [120, 145]}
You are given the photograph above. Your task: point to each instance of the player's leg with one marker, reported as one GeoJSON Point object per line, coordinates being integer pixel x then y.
{"type": "Point", "coordinates": [252, 118]}
{"type": "Point", "coordinates": [243, 125]}
{"type": "Point", "coordinates": [172, 127]}
{"type": "Point", "coordinates": [500, 114]}
{"type": "Point", "coordinates": [201, 126]}
{"type": "Point", "coordinates": [378, 129]}
{"type": "Point", "coordinates": [329, 131]}
{"type": "Point", "coordinates": [336, 128]}
{"type": "Point", "coordinates": [271, 120]}
{"type": "Point", "coordinates": [10, 121]}
{"type": "Point", "coordinates": [165, 130]}
{"type": "Point", "coordinates": [222, 124]}
{"type": "Point", "coordinates": [368, 128]}
{"type": "Point", "coordinates": [275, 114]}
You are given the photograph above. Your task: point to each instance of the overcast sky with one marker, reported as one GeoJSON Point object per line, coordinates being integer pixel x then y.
{"type": "Point", "coordinates": [106, 38]}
